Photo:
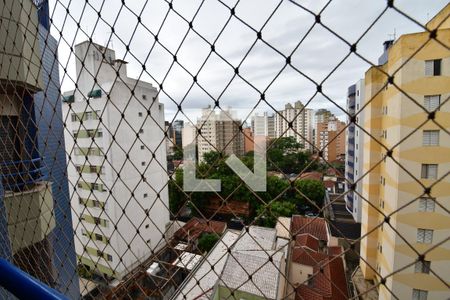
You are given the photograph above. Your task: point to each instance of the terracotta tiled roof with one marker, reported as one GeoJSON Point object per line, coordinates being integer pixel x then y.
{"type": "Point", "coordinates": [311, 175]}
{"type": "Point", "coordinates": [331, 284]}
{"type": "Point", "coordinates": [307, 240]}
{"type": "Point", "coordinates": [230, 207]}
{"type": "Point", "coordinates": [335, 250]}
{"type": "Point", "coordinates": [329, 183]}
{"type": "Point", "coordinates": [195, 227]}
{"type": "Point", "coordinates": [314, 226]}
{"type": "Point", "coordinates": [304, 256]}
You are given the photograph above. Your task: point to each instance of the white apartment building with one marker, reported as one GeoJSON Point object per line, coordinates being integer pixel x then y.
{"type": "Point", "coordinates": [117, 164]}
{"type": "Point", "coordinates": [263, 125]}
{"type": "Point", "coordinates": [302, 119]}
{"type": "Point", "coordinates": [354, 150]}
{"type": "Point", "coordinates": [188, 134]}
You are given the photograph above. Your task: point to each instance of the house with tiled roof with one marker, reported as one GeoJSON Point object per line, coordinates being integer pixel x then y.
{"type": "Point", "coordinates": [314, 226]}
{"type": "Point", "coordinates": [316, 269]}
{"type": "Point", "coordinates": [255, 268]}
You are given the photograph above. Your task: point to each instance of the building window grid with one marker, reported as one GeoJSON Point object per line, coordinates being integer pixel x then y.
{"type": "Point", "coordinates": [426, 205]}
{"type": "Point", "coordinates": [429, 171]}
{"type": "Point", "coordinates": [430, 138]}
{"type": "Point", "coordinates": [419, 294]}
{"type": "Point", "coordinates": [424, 236]}
{"type": "Point", "coordinates": [422, 267]}
{"type": "Point", "coordinates": [433, 67]}
{"type": "Point", "coordinates": [432, 102]}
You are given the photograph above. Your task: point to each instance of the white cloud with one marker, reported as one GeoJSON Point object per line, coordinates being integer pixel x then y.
{"type": "Point", "coordinates": [316, 56]}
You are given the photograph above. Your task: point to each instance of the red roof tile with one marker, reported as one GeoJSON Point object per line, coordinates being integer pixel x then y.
{"type": "Point", "coordinates": [307, 240]}
{"type": "Point", "coordinates": [315, 226]}
{"type": "Point", "coordinates": [304, 256]}
{"type": "Point", "coordinates": [229, 207]}
{"type": "Point", "coordinates": [195, 227]}
{"type": "Point", "coordinates": [329, 183]}
{"type": "Point", "coordinates": [331, 284]}
{"type": "Point", "coordinates": [311, 175]}
{"type": "Point", "coordinates": [335, 250]}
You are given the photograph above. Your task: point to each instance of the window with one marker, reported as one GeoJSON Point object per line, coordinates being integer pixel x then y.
{"type": "Point", "coordinates": [98, 187]}
{"type": "Point", "coordinates": [80, 200]}
{"type": "Point", "coordinates": [144, 97]}
{"type": "Point", "coordinates": [140, 114]}
{"type": "Point", "coordinates": [147, 226]}
{"type": "Point", "coordinates": [431, 137]}
{"type": "Point", "coordinates": [426, 204]}
{"type": "Point", "coordinates": [433, 67]}
{"type": "Point", "coordinates": [432, 102]}
{"type": "Point", "coordinates": [145, 195]}
{"type": "Point", "coordinates": [99, 133]}
{"type": "Point", "coordinates": [422, 267]}
{"type": "Point", "coordinates": [75, 134]}
{"type": "Point", "coordinates": [424, 236]}
{"type": "Point", "coordinates": [90, 133]}
{"type": "Point", "coordinates": [142, 147]}
{"type": "Point", "coordinates": [109, 257]}
{"type": "Point", "coordinates": [141, 130]}
{"type": "Point", "coordinates": [88, 115]}
{"type": "Point", "coordinates": [74, 117]}
{"type": "Point", "coordinates": [98, 237]}
{"type": "Point", "coordinates": [143, 163]}
{"type": "Point", "coordinates": [93, 169]}
{"type": "Point", "coordinates": [429, 171]}
{"type": "Point", "coordinates": [78, 168]}
{"type": "Point", "coordinates": [419, 294]}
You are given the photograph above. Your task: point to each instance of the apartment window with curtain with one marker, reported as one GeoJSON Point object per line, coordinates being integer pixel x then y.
{"type": "Point", "coordinates": [429, 171]}
{"type": "Point", "coordinates": [424, 236]}
{"type": "Point", "coordinates": [432, 102]}
{"type": "Point", "coordinates": [426, 204]}
{"type": "Point", "coordinates": [433, 67]}
{"type": "Point", "coordinates": [419, 294]}
{"type": "Point", "coordinates": [431, 137]}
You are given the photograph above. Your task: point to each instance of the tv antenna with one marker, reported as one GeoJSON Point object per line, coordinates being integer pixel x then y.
{"type": "Point", "coordinates": [392, 36]}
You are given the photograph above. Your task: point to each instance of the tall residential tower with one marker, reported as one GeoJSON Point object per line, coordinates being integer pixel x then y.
{"type": "Point", "coordinates": [117, 164]}
{"type": "Point", "coordinates": [354, 149]}
{"type": "Point", "coordinates": [409, 158]}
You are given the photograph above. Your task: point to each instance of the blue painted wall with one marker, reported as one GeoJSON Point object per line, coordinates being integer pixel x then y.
{"type": "Point", "coordinates": [50, 137]}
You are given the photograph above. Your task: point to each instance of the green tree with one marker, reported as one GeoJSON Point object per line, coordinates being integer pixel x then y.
{"type": "Point", "coordinates": [177, 153]}
{"type": "Point", "coordinates": [269, 215]}
{"type": "Point", "coordinates": [311, 189]}
{"type": "Point", "coordinates": [207, 241]}
{"type": "Point", "coordinates": [176, 195]}
{"type": "Point", "coordinates": [287, 155]}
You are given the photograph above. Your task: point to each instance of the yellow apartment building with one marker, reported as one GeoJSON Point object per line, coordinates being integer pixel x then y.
{"type": "Point", "coordinates": [411, 184]}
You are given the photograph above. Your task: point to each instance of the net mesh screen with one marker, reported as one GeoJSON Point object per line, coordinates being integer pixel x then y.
{"type": "Point", "coordinates": [121, 122]}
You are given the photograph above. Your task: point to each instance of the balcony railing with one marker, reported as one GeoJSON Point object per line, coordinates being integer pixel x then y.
{"type": "Point", "coordinates": [21, 174]}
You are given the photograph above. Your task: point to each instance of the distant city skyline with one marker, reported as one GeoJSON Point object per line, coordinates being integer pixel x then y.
{"type": "Point", "coordinates": [261, 65]}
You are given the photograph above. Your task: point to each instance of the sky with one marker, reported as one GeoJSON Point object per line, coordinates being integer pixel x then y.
{"type": "Point", "coordinates": [287, 28]}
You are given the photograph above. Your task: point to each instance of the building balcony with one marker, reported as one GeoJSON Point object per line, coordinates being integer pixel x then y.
{"type": "Point", "coordinates": [21, 175]}
{"type": "Point", "coordinates": [23, 55]}
{"type": "Point", "coordinates": [28, 201]}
